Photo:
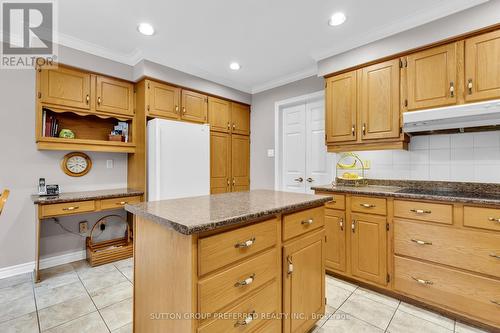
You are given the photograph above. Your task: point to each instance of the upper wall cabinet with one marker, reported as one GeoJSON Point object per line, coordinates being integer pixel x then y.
{"type": "Point", "coordinates": [163, 100]}
{"type": "Point", "coordinates": [482, 67]}
{"type": "Point", "coordinates": [194, 106]}
{"type": "Point", "coordinates": [114, 96]}
{"type": "Point", "coordinates": [65, 87]}
{"type": "Point", "coordinates": [240, 115]}
{"type": "Point", "coordinates": [219, 114]}
{"type": "Point", "coordinates": [432, 77]}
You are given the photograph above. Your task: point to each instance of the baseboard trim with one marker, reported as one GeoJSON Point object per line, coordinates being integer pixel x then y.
{"type": "Point", "coordinates": [28, 267]}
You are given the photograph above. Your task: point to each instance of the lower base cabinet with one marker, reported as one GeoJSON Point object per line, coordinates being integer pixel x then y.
{"type": "Point", "coordinates": [335, 229]}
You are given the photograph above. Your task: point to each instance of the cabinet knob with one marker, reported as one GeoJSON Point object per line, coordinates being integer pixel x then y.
{"type": "Point", "coordinates": [184, 109]}
{"type": "Point", "coordinates": [87, 99]}
{"type": "Point", "coordinates": [228, 125]}
{"type": "Point", "coordinates": [99, 100]}
{"type": "Point", "coordinates": [290, 265]}
{"type": "Point", "coordinates": [469, 86]}
{"type": "Point", "coordinates": [452, 89]}
{"type": "Point", "coordinates": [353, 226]}
{"type": "Point", "coordinates": [176, 108]}
{"type": "Point", "coordinates": [353, 129]}
{"type": "Point", "coordinates": [234, 126]}
{"type": "Point", "coordinates": [341, 224]}
{"type": "Point", "coordinates": [493, 219]}
{"type": "Point", "coordinates": [364, 129]}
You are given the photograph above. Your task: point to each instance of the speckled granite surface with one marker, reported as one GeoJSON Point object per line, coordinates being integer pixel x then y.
{"type": "Point", "coordinates": [205, 213]}
{"type": "Point", "coordinates": [86, 195]}
{"type": "Point", "coordinates": [476, 193]}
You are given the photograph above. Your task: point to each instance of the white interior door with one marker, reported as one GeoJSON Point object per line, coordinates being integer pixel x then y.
{"type": "Point", "coordinates": [293, 148]}
{"type": "Point", "coordinates": [318, 162]}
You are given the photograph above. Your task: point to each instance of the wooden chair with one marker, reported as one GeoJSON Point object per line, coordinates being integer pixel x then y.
{"type": "Point", "coordinates": [3, 199]}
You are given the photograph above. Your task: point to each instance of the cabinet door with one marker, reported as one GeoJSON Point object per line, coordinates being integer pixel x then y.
{"type": "Point", "coordinates": [369, 247]}
{"type": "Point", "coordinates": [220, 162]}
{"type": "Point", "coordinates": [219, 114]}
{"type": "Point", "coordinates": [240, 115]}
{"type": "Point", "coordinates": [114, 96]}
{"type": "Point", "coordinates": [303, 282]}
{"type": "Point", "coordinates": [240, 162]}
{"type": "Point", "coordinates": [432, 77]}
{"type": "Point", "coordinates": [65, 87]}
{"type": "Point", "coordinates": [335, 228]}
{"type": "Point", "coordinates": [164, 100]}
{"type": "Point", "coordinates": [379, 109]}
{"type": "Point", "coordinates": [482, 67]}
{"type": "Point", "coordinates": [194, 106]}
{"type": "Point", "coordinates": [341, 106]}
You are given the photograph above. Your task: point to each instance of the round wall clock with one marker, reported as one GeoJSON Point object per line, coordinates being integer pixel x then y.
{"type": "Point", "coordinates": [76, 164]}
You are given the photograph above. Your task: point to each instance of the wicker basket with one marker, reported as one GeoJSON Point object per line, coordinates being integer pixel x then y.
{"type": "Point", "coordinates": [100, 253]}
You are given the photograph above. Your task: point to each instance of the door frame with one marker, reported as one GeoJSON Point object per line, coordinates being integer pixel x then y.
{"type": "Point", "coordinates": [278, 130]}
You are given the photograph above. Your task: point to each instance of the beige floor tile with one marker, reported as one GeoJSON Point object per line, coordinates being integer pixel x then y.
{"type": "Point", "coordinates": [336, 296]}
{"type": "Point", "coordinates": [374, 296]}
{"type": "Point", "coordinates": [97, 280]}
{"type": "Point", "coordinates": [345, 323]}
{"type": "Point", "coordinates": [11, 293]}
{"type": "Point", "coordinates": [128, 272]}
{"type": "Point", "coordinates": [46, 297]}
{"type": "Point", "coordinates": [124, 329]}
{"type": "Point", "coordinates": [57, 270]}
{"type": "Point", "coordinates": [16, 279]}
{"type": "Point", "coordinates": [111, 295]}
{"type": "Point", "coordinates": [428, 315]}
{"type": "Point", "coordinates": [57, 280]}
{"type": "Point", "coordinates": [17, 308]}
{"type": "Point", "coordinates": [124, 263]}
{"type": "Point", "coordinates": [90, 323]}
{"type": "Point", "coordinates": [329, 312]}
{"type": "Point", "coordinates": [340, 283]}
{"type": "Point", "coordinates": [82, 266]}
{"type": "Point", "coordinates": [64, 312]}
{"type": "Point", "coordinates": [24, 324]}
{"type": "Point", "coordinates": [372, 312]}
{"type": "Point", "coordinates": [118, 315]}
{"type": "Point", "coordinates": [463, 328]}
{"type": "Point", "coordinates": [405, 322]}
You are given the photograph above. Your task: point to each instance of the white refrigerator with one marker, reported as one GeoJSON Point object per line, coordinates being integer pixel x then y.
{"type": "Point", "coordinates": [178, 159]}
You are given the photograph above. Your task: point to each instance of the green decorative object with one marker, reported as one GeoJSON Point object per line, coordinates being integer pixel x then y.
{"type": "Point", "coordinates": [66, 134]}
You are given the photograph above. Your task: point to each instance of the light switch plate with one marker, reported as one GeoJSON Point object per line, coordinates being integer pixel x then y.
{"type": "Point", "coordinates": [270, 153]}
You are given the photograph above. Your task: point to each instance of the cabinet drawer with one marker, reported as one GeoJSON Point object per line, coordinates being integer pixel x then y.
{"type": "Point", "coordinates": [465, 249]}
{"type": "Point", "coordinates": [424, 211]}
{"type": "Point", "coordinates": [221, 289]}
{"type": "Point", "coordinates": [304, 221]}
{"type": "Point", "coordinates": [338, 202]}
{"type": "Point", "coordinates": [67, 208]}
{"type": "Point", "coordinates": [369, 205]}
{"type": "Point", "coordinates": [464, 292]}
{"type": "Point", "coordinates": [264, 302]}
{"type": "Point", "coordinates": [484, 218]}
{"type": "Point", "coordinates": [223, 249]}
{"type": "Point", "coordinates": [272, 326]}
{"type": "Point", "coordinates": [119, 202]}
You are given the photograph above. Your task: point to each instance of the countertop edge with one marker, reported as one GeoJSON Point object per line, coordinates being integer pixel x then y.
{"type": "Point", "coordinates": [37, 200]}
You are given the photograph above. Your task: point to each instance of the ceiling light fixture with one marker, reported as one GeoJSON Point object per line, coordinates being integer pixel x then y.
{"type": "Point", "coordinates": [146, 29]}
{"type": "Point", "coordinates": [337, 19]}
{"type": "Point", "coordinates": [235, 66]}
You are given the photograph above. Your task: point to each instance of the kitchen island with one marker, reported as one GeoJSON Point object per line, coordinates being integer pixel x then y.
{"type": "Point", "coordinates": [248, 261]}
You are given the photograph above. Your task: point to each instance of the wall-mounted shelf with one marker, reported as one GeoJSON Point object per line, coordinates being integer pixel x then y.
{"type": "Point", "coordinates": [47, 143]}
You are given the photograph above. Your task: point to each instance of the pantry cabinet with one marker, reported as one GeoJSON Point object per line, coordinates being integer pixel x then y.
{"type": "Point", "coordinates": [240, 163]}
{"type": "Point", "coordinates": [219, 114]}
{"type": "Point", "coordinates": [240, 115]}
{"type": "Point", "coordinates": [335, 228]}
{"type": "Point", "coordinates": [163, 100]}
{"type": "Point", "coordinates": [220, 162]}
{"type": "Point", "coordinates": [65, 87]}
{"type": "Point", "coordinates": [114, 96]}
{"type": "Point", "coordinates": [194, 106]}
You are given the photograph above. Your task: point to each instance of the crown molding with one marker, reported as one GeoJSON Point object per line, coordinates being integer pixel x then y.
{"type": "Point", "coordinates": [281, 81]}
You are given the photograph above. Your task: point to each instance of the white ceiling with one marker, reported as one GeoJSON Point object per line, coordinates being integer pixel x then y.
{"type": "Point", "coordinates": [275, 41]}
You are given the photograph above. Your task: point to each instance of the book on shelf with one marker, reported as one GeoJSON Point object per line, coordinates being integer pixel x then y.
{"type": "Point", "coordinates": [50, 126]}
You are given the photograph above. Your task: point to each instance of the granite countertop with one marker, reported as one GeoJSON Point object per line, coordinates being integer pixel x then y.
{"type": "Point", "coordinates": [86, 195]}
{"type": "Point", "coordinates": [474, 193]}
{"type": "Point", "coordinates": [197, 214]}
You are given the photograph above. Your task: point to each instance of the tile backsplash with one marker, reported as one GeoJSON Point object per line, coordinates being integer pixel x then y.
{"type": "Point", "coordinates": [470, 157]}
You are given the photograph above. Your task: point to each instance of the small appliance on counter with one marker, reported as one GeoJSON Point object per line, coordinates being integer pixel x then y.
{"type": "Point", "coordinates": [350, 170]}
{"type": "Point", "coordinates": [47, 190]}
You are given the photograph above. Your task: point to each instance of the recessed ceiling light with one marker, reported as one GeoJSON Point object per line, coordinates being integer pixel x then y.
{"type": "Point", "coordinates": [146, 29]}
{"type": "Point", "coordinates": [235, 66]}
{"type": "Point", "coordinates": [337, 19]}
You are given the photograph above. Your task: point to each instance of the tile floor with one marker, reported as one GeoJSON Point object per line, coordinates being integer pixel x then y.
{"type": "Point", "coordinates": [77, 298]}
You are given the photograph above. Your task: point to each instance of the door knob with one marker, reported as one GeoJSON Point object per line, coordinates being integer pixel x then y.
{"type": "Point", "coordinates": [300, 179]}
{"type": "Point", "coordinates": [310, 180]}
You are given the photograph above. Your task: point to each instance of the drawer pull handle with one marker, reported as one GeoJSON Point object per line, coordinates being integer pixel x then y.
{"type": "Point", "coordinates": [493, 219]}
{"type": "Point", "coordinates": [245, 321]}
{"type": "Point", "coordinates": [246, 282]}
{"type": "Point", "coordinates": [332, 202]}
{"type": "Point", "coordinates": [365, 205]}
{"type": "Point", "coordinates": [245, 244]}
{"type": "Point", "coordinates": [71, 208]}
{"type": "Point", "coordinates": [495, 302]}
{"type": "Point", "coordinates": [426, 282]}
{"type": "Point", "coordinates": [341, 223]}
{"type": "Point", "coordinates": [420, 211]}
{"type": "Point", "coordinates": [421, 242]}
{"type": "Point", "coordinates": [494, 255]}
{"type": "Point", "coordinates": [307, 222]}
{"type": "Point", "coordinates": [121, 203]}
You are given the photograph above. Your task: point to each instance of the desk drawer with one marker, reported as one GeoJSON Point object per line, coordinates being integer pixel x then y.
{"type": "Point", "coordinates": [468, 293]}
{"type": "Point", "coordinates": [119, 202]}
{"type": "Point", "coordinates": [67, 208]}
{"type": "Point", "coordinates": [304, 221]}
{"type": "Point", "coordinates": [369, 205]}
{"type": "Point", "coordinates": [264, 302]}
{"type": "Point", "coordinates": [483, 218]}
{"type": "Point", "coordinates": [338, 202]}
{"type": "Point", "coordinates": [466, 249]}
{"type": "Point", "coordinates": [223, 249]}
{"type": "Point", "coordinates": [221, 289]}
{"type": "Point", "coordinates": [424, 211]}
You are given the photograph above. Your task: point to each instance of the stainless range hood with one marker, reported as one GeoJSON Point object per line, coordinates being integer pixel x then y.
{"type": "Point", "coordinates": [466, 116]}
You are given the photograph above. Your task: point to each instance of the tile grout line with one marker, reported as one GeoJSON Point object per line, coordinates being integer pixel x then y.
{"type": "Point", "coordinates": [390, 321]}
{"type": "Point", "coordinates": [411, 314]}
{"type": "Point", "coordinates": [36, 305]}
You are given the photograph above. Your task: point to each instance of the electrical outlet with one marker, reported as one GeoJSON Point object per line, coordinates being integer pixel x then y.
{"type": "Point", "coordinates": [84, 227]}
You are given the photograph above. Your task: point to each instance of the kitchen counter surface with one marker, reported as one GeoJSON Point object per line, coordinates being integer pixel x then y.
{"type": "Point", "coordinates": [86, 195]}
{"type": "Point", "coordinates": [204, 213]}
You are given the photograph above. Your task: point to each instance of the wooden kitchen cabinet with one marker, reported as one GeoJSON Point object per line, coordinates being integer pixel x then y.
{"type": "Point", "coordinates": [335, 252]}
{"type": "Point", "coordinates": [432, 77]}
{"type": "Point", "coordinates": [303, 282]}
{"type": "Point", "coordinates": [240, 119]}
{"type": "Point", "coordinates": [219, 114]}
{"type": "Point", "coordinates": [163, 100]}
{"type": "Point", "coordinates": [341, 108]}
{"type": "Point", "coordinates": [114, 96]}
{"type": "Point", "coordinates": [369, 247]}
{"type": "Point", "coordinates": [65, 87]}
{"type": "Point", "coordinates": [482, 67]}
{"type": "Point", "coordinates": [220, 162]}
{"type": "Point", "coordinates": [240, 163]}
{"type": "Point", "coordinates": [194, 106]}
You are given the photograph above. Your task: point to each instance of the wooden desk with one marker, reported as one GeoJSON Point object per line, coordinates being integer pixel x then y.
{"type": "Point", "coordinates": [79, 203]}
